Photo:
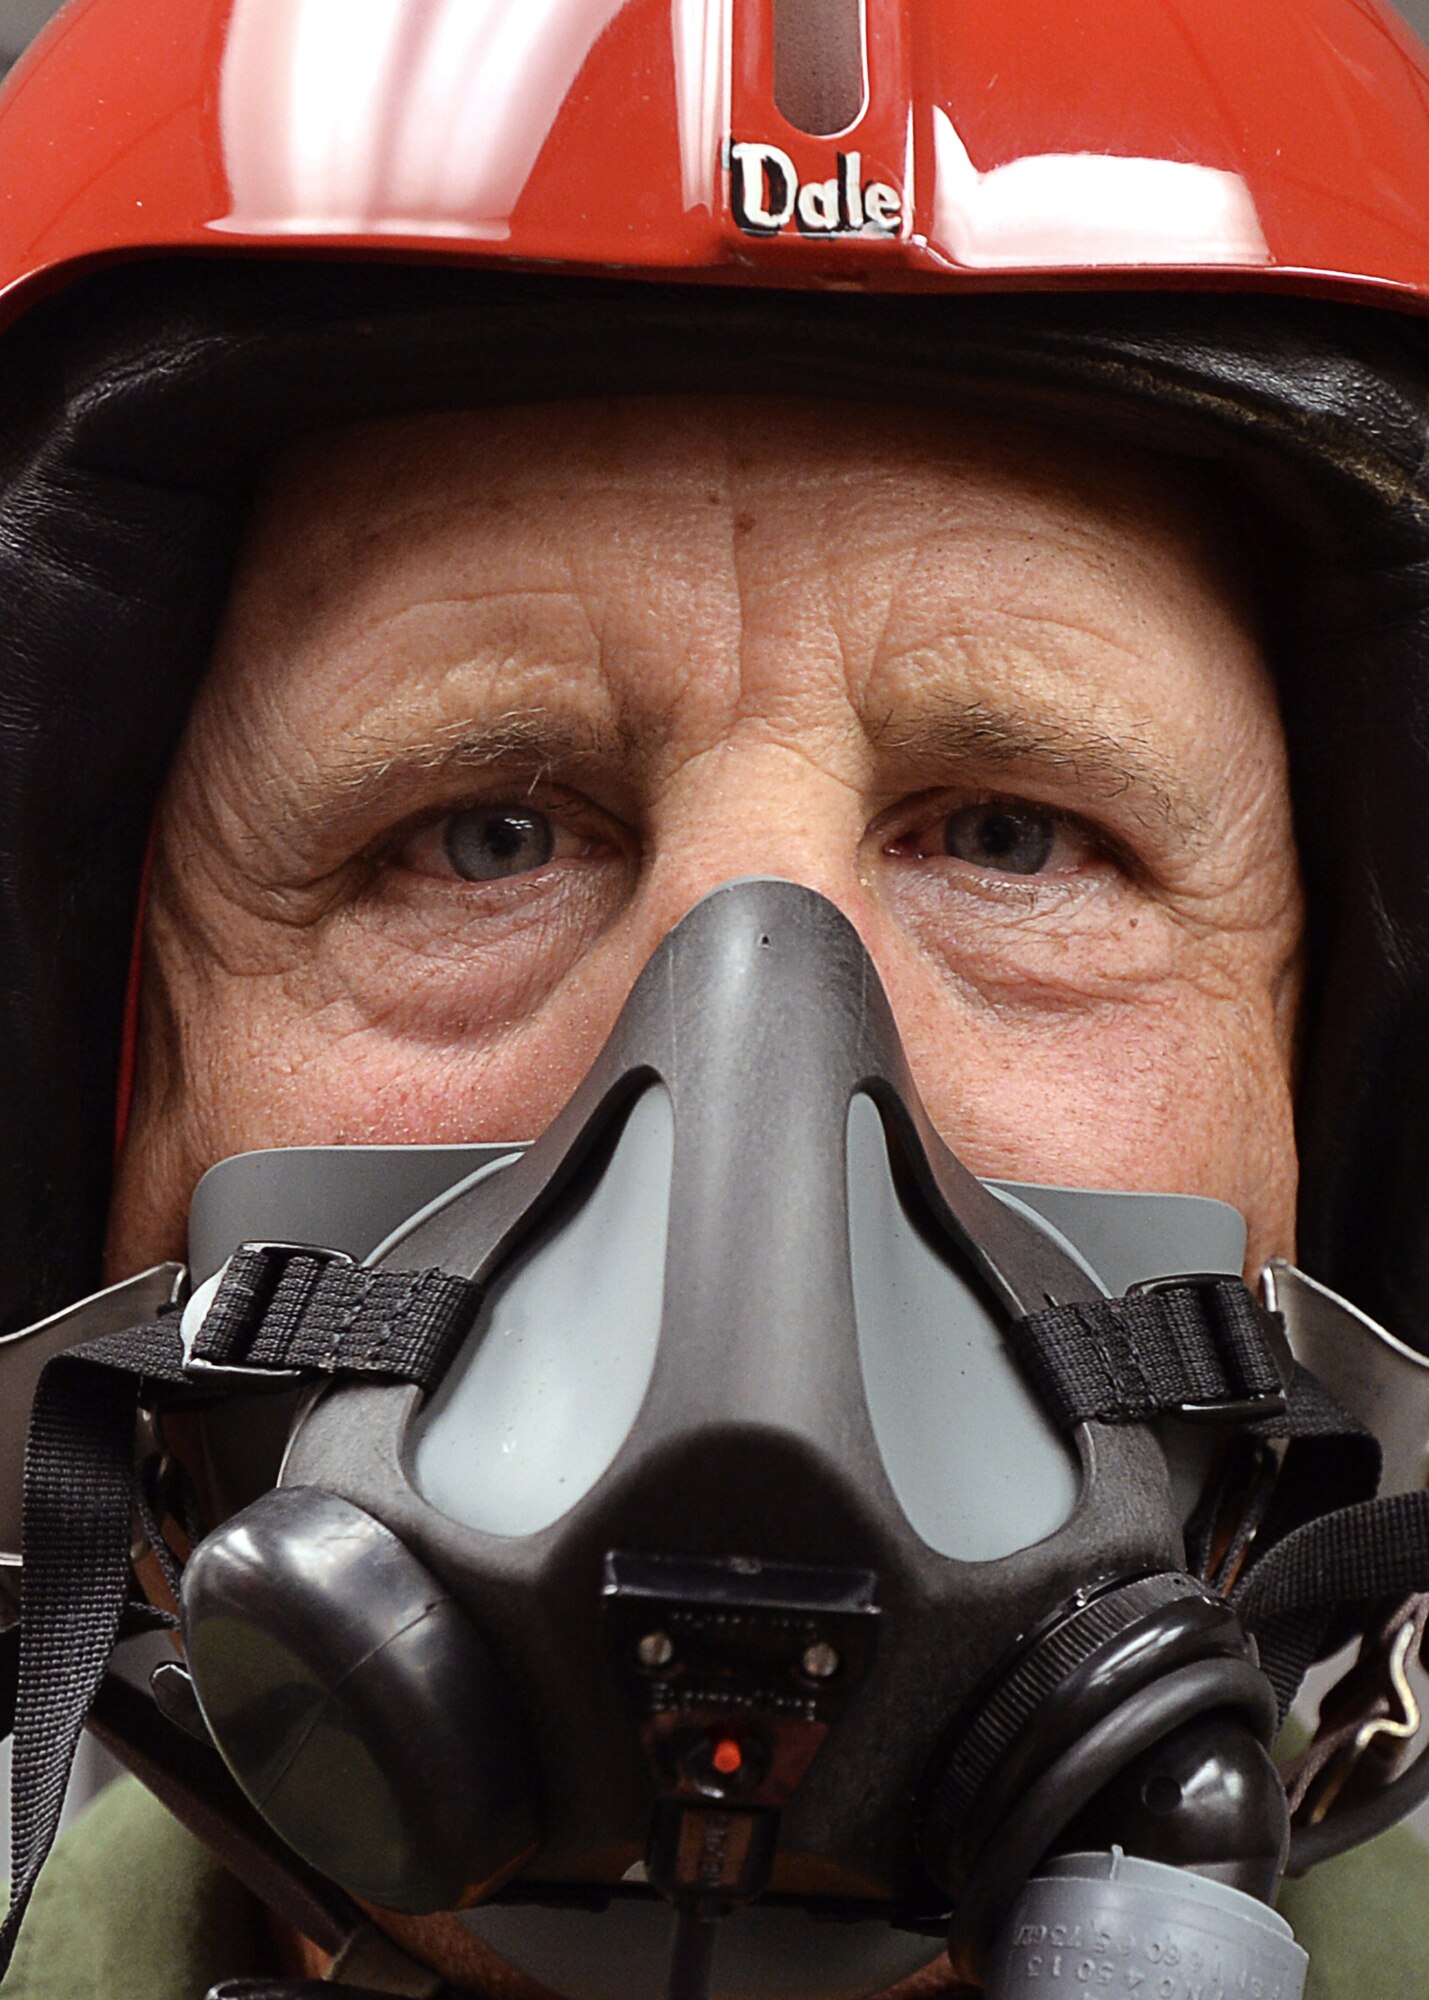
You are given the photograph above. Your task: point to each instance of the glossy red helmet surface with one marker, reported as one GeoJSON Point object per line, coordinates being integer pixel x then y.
{"type": "Point", "coordinates": [874, 143]}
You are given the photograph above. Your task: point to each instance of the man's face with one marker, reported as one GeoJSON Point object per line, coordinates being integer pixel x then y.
{"type": "Point", "coordinates": [500, 695]}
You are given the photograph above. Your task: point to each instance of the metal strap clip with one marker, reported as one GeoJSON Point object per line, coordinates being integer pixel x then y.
{"type": "Point", "coordinates": [1232, 1409]}
{"type": "Point", "coordinates": [196, 1312]}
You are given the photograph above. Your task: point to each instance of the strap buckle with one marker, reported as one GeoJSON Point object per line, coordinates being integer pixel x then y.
{"type": "Point", "coordinates": [1232, 1409]}
{"type": "Point", "coordinates": [196, 1313]}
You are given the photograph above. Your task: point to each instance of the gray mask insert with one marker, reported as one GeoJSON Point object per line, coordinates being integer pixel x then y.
{"type": "Point", "coordinates": [734, 1486]}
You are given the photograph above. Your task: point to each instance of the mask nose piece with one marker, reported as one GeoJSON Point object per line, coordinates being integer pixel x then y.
{"type": "Point", "coordinates": [732, 1277]}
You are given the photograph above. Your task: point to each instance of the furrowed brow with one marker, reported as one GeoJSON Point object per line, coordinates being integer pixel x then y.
{"type": "Point", "coordinates": [373, 769]}
{"type": "Point", "coordinates": [975, 737]}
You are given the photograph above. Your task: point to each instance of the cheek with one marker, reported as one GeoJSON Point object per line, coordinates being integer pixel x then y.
{"type": "Point", "coordinates": [1159, 1080]}
{"type": "Point", "coordinates": [340, 1085]}
{"type": "Point", "coordinates": [351, 1054]}
{"type": "Point", "coordinates": [1172, 1089]}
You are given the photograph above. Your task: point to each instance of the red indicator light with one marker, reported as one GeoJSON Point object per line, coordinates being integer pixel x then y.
{"type": "Point", "coordinates": [727, 1757]}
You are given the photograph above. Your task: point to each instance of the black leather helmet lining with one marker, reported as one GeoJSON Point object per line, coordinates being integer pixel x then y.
{"type": "Point", "coordinates": [137, 408]}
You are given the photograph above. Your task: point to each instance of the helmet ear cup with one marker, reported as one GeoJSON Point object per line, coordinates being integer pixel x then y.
{"type": "Point", "coordinates": [356, 1706]}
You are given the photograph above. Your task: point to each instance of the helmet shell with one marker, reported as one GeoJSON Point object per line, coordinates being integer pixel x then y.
{"type": "Point", "coordinates": [988, 143]}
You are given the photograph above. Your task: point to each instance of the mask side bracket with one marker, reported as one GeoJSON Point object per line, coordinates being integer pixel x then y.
{"type": "Point", "coordinates": [1379, 1380]}
{"type": "Point", "coordinates": [343, 1197]}
{"type": "Point", "coordinates": [1128, 1236]}
{"type": "Point", "coordinates": [22, 1359]}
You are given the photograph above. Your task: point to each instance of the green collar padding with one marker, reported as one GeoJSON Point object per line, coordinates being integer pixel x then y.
{"type": "Point", "coordinates": [1364, 1919]}
{"type": "Point", "coordinates": [130, 1907]}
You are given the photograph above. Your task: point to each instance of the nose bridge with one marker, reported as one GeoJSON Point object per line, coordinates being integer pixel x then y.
{"type": "Point", "coordinates": [759, 802]}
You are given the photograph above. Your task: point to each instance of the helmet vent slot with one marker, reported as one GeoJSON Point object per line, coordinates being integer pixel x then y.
{"type": "Point", "coordinates": [820, 81]}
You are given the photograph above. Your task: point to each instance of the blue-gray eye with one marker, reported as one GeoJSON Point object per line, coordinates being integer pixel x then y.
{"type": "Point", "coordinates": [488, 843]}
{"type": "Point", "coordinates": [1013, 840]}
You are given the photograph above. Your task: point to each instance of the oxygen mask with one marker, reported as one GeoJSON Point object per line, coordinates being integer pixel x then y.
{"type": "Point", "coordinates": [770, 1520]}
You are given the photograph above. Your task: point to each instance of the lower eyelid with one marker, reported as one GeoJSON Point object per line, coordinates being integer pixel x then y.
{"type": "Point", "coordinates": [959, 904]}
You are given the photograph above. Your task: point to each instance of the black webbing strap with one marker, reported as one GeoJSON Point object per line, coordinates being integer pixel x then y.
{"type": "Point", "coordinates": [277, 1310]}
{"type": "Point", "coordinates": [1330, 1469]}
{"type": "Point", "coordinates": [280, 1308]}
{"type": "Point", "coordinates": [74, 1586]}
{"type": "Point", "coordinates": [1333, 1461]}
{"type": "Point", "coordinates": [1359, 1555]}
{"type": "Point", "coordinates": [1200, 1349]}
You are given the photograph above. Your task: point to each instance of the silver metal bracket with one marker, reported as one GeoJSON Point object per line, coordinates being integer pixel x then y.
{"type": "Point", "coordinates": [24, 1354]}
{"type": "Point", "coordinates": [1376, 1376]}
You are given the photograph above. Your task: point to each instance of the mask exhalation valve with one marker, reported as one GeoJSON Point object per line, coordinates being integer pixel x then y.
{"type": "Point", "coordinates": [736, 1669]}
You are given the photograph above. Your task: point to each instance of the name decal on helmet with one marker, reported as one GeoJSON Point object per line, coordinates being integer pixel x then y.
{"type": "Point", "coordinates": [766, 195]}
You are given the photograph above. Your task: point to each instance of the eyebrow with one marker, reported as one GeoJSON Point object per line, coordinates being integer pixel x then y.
{"type": "Point", "coordinates": [951, 735]}
{"type": "Point", "coordinates": [532, 735]}
{"type": "Point", "coordinates": [1123, 768]}
{"type": "Point", "coordinates": [341, 792]}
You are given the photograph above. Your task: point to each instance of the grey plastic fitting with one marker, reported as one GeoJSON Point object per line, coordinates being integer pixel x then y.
{"type": "Point", "coordinates": [1111, 1924]}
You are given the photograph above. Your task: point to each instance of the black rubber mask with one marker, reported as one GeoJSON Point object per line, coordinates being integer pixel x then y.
{"type": "Point", "coordinates": [690, 1573]}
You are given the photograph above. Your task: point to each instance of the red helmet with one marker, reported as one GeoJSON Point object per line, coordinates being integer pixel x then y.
{"type": "Point", "coordinates": [211, 214]}
{"type": "Point", "coordinates": [844, 142]}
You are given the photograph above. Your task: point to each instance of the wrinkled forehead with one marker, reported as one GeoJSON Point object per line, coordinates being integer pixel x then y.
{"type": "Point", "coordinates": [603, 554]}
{"type": "Point", "coordinates": [867, 470]}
